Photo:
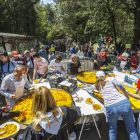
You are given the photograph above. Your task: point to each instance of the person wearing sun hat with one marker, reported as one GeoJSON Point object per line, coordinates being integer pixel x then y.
{"type": "Point", "coordinates": [121, 62]}
{"type": "Point", "coordinates": [116, 104]}
{"type": "Point", "coordinates": [17, 59]}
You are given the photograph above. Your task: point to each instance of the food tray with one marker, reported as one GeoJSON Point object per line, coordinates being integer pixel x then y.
{"type": "Point", "coordinates": [90, 73]}
{"type": "Point", "coordinates": [27, 122]}
{"type": "Point", "coordinates": [54, 83]}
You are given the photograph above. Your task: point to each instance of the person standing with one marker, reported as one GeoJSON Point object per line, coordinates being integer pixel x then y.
{"type": "Point", "coordinates": [90, 52]}
{"type": "Point", "coordinates": [52, 48]}
{"type": "Point", "coordinates": [12, 86]}
{"type": "Point", "coordinates": [50, 55]}
{"type": "Point", "coordinates": [63, 46]}
{"type": "Point", "coordinates": [40, 66]}
{"type": "Point", "coordinates": [7, 66]}
{"type": "Point", "coordinates": [135, 61]}
{"type": "Point", "coordinates": [56, 65]}
{"type": "Point", "coordinates": [43, 52]}
{"type": "Point", "coordinates": [32, 50]}
{"type": "Point", "coordinates": [72, 49]}
{"type": "Point", "coordinates": [19, 60]}
{"type": "Point", "coordinates": [116, 104]}
{"type": "Point", "coordinates": [121, 62]}
{"type": "Point", "coordinates": [100, 59]}
{"type": "Point", "coordinates": [73, 65]}
{"type": "Point", "coordinates": [91, 42]}
{"type": "Point", "coordinates": [77, 48]}
{"type": "Point", "coordinates": [81, 52]}
{"type": "Point", "coordinates": [30, 63]}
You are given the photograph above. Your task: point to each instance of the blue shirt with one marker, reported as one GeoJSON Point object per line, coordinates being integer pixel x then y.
{"type": "Point", "coordinates": [11, 67]}
{"type": "Point", "coordinates": [43, 53]}
{"type": "Point", "coordinates": [72, 50]}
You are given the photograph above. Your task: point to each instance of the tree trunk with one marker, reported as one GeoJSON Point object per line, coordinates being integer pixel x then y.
{"type": "Point", "coordinates": [137, 25]}
{"type": "Point", "coordinates": [113, 22]}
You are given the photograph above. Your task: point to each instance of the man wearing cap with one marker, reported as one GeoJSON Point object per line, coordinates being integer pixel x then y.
{"type": "Point", "coordinates": [121, 62]}
{"type": "Point", "coordinates": [7, 66]}
{"type": "Point", "coordinates": [30, 63]}
{"type": "Point", "coordinates": [17, 59]}
{"type": "Point", "coordinates": [100, 59]}
{"type": "Point", "coordinates": [43, 52]}
{"type": "Point", "coordinates": [40, 66]}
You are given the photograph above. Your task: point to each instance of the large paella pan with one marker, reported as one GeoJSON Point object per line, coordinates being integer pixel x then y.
{"type": "Point", "coordinates": [88, 76]}
{"type": "Point", "coordinates": [61, 97]}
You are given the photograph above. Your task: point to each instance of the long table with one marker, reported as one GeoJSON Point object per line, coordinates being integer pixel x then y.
{"type": "Point", "coordinates": [86, 109]}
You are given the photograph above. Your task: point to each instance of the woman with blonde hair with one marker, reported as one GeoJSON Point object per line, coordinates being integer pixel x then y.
{"type": "Point", "coordinates": [116, 104]}
{"type": "Point", "coordinates": [50, 122]}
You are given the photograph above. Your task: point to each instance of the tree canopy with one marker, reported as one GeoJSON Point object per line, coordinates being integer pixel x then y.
{"type": "Point", "coordinates": [78, 19]}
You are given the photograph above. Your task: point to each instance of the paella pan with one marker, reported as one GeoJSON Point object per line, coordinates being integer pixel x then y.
{"type": "Point", "coordinates": [61, 97]}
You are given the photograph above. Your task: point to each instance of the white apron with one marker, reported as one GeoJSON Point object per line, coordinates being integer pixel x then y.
{"type": "Point", "coordinates": [19, 87]}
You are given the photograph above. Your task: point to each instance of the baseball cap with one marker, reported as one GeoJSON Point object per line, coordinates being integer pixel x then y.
{"type": "Point", "coordinates": [4, 53]}
{"type": "Point", "coordinates": [100, 73]}
{"type": "Point", "coordinates": [27, 51]}
{"type": "Point", "coordinates": [15, 53]}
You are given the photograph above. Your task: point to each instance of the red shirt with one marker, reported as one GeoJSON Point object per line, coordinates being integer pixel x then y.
{"type": "Point", "coordinates": [138, 84]}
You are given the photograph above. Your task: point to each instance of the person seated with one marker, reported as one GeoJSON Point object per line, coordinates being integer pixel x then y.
{"type": "Point", "coordinates": [19, 60]}
{"type": "Point", "coordinates": [121, 62]}
{"type": "Point", "coordinates": [56, 65]}
{"type": "Point", "coordinates": [135, 61]}
{"type": "Point", "coordinates": [50, 121]}
{"type": "Point", "coordinates": [90, 52]}
{"type": "Point", "coordinates": [100, 59]}
{"type": "Point", "coordinates": [5, 115]}
{"type": "Point", "coordinates": [12, 86]}
{"type": "Point", "coordinates": [73, 65]}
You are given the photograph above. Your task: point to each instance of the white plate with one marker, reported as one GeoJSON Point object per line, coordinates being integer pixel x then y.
{"type": "Point", "coordinates": [15, 123]}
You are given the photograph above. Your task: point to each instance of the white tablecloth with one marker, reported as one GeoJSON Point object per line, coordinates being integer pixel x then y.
{"type": "Point", "coordinates": [86, 109]}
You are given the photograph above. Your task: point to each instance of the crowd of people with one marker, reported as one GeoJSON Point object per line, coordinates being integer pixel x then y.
{"type": "Point", "coordinates": [18, 72]}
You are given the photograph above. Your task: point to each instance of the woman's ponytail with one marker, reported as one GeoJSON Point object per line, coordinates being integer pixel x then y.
{"type": "Point", "coordinates": [100, 83]}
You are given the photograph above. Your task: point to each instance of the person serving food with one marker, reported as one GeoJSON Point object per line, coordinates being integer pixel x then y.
{"type": "Point", "coordinates": [12, 86]}
{"type": "Point", "coordinates": [100, 59]}
{"type": "Point", "coordinates": [56, 65]}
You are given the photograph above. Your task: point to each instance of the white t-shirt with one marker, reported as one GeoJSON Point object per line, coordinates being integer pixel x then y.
{"type": "Point", "coordinates": [55, 65]}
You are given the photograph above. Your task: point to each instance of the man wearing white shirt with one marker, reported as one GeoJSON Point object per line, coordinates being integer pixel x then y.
{"type": "Point", "coordinates": [56, 65]}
